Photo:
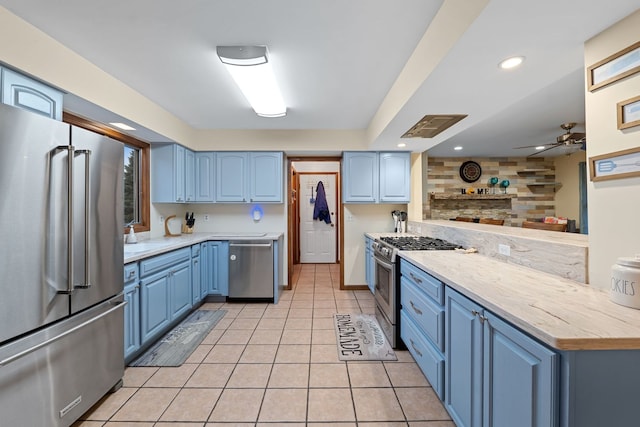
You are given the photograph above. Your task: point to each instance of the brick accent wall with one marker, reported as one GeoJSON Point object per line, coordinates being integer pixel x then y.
{"type": "Point", "coordinates": [530, 199]}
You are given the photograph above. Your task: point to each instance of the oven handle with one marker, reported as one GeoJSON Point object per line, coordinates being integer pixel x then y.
{"type": "Point", "coordinates": [383, 263]}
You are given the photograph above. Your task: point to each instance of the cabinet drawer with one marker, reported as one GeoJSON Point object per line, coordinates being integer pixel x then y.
{"type": "Point", "coordinates": [427, 283]}
{"type": "Point", "coordinates": [131, 272]}
{"type": "Point", "coordinates": [160, 262]}
{"type": "Point", "coordinates": [428, 316]}
{"type": "Point", "coordinates": [430, 361]}
{"type": "Point", "coordinates": [195, 250]}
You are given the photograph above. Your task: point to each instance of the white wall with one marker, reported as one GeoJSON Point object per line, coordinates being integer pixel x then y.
{"type": "Point", "coordinates": [614, 205]}
{"type": "Point", "coordinates": [359, 219]}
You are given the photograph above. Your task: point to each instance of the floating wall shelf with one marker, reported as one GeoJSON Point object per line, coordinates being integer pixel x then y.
{"type": "Point", "coordinates": [449, 196]}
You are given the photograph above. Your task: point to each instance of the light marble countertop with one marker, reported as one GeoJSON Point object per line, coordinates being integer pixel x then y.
{"type": "Point", "coordinates": [147, 248]}
{"type": "Point", "coordinates": [562, 313]}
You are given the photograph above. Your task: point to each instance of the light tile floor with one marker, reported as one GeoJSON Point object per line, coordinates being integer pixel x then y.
{"type": "Point", "coordinates": [272, 365]}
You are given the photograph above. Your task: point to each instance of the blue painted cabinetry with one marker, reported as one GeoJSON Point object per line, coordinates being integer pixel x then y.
{"type": "Point", "coordinates": [249, 177]}
{"type": "Point", "coordinates": [369, 264]}
{"type": "Point", "coordinates": [496, 376]}
{"type": "Point", "coordinates": [196, 273]}
{"type": "Point", "coordinates": [165, 286]}
{"type": "Point", "coordinates": [218, 268]}
{"type": "Point", "coordinates": [26, 93]}
{"type": "Point", "coordinates": [372, 177]}
{"type": "Point", "coordinates": [131, 309]}
{"type": "Point", "coordinates": [422, 322]}
{"type": "Point", "coordinates": [204, 176]}
{"type": "Point", "coordinates": [168, 169]}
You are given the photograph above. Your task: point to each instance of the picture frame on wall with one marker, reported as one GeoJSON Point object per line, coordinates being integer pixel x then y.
{"type": "Point", "coordinates": [616, 165]}
{"type": "Point", "coordinates": [628, 113]}
{"type": "Point", "coordinates": [615, 67]}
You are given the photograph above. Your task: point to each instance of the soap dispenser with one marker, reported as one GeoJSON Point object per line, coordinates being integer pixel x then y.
{"type": "Point", "coordinates": [131, 238]}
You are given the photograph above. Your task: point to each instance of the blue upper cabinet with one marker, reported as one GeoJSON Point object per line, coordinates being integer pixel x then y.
{"type": "Point", "coordinates": [360, 177]}
{"type": "Point", "coordinates": [172, 174]}
{"type": "Point", "coordinates": [24, 92]}
{"type": "Point", "coordinates": [265, 177]}
{"type": "Point", "coordinates": [204, 176]}
{"type": "Point", "coordinates": [371, 177]}
{"type": "Point", "coordinates": [246, 177]}
{"type": "Point", "coordinates": [231, 172]}
{"type": "Point", "coordinates": [395, 177]}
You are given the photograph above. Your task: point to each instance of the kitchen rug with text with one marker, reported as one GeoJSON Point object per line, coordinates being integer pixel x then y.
{"type": "Point", "coordinates": [177, 345]}
{"type": "Point", "coordinates": [360, 337]}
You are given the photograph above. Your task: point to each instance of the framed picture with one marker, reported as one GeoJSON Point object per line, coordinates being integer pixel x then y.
{"type": "Point", "coordinates": [620, 164]}
{"type": "Point", "coordinates": [629, 113]}
{"type": "Point", "coordinates": [617, 66]}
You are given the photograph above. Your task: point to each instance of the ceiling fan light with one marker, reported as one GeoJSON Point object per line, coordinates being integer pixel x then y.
{"type": "Point", "coordinates": [511, 62]}
{"type": "Point", "coordinates": [250, 68]}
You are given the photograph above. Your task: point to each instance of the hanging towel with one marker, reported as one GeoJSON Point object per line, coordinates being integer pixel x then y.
{"type": "Point", "coordinates": [320, 208]}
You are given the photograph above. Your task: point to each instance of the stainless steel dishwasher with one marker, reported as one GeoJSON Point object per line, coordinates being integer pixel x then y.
{"type": "Point", "coordinates": [251, 269]}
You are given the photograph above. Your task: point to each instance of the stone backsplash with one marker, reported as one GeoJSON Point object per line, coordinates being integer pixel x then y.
{"type": "Point", "coordinates": [532, 189]}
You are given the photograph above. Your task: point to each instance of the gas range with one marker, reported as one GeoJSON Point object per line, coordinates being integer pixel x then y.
{"type": "Point", "coordinates": [388, 247]}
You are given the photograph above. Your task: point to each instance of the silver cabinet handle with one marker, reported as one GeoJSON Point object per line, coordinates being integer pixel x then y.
{"type": "Point", "coordinates": [415, 348]}
{"type": "Point", "coordinates": [87, 216]}
{"type": "Point", "coordinates": [57, 337]}
{"type": "Point", "coordinates": [416, 279]}
{"type": "Point", "coordinates": [416, 309]}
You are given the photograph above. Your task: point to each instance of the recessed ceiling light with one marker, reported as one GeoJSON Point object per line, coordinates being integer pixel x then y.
{"type": "Point", "coordinates": [122, 126]}
{"type": "Point", "coordinates": [540, 147]}
{"type": "Point", "coordinates": [402, 144]}
{"type": "Point", "coordinates": [458, 148]}
{"type": "Point", "coordinates": [510, 63]}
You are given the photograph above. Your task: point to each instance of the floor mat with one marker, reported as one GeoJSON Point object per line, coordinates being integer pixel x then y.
{"type": "Point", "coordinates": [177, 345]}
{"type": "Point", "coordinates": [361, 338]}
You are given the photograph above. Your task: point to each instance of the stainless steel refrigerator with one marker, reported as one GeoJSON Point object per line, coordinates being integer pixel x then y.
{"type": "Point", "coordinates": [61, 269]}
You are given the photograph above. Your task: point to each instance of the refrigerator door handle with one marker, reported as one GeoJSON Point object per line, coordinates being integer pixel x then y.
{"type": "Point", "coordinates": [70, 149]}
{"type": "Point", "coordinates": [87, 218]}
{"type": "Point", "coordinates": [62, 335]}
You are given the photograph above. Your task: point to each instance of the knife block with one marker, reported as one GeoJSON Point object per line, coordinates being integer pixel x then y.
{"type": "Point", "coordinates": [186, 229]}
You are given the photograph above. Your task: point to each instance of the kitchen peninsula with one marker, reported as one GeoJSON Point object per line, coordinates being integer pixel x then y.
{"type": "Point", "coordinates": [506, 342]}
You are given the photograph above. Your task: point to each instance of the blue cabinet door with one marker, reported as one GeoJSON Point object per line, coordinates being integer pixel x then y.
{"type": "Point", "coordinates": [204, 178]}
{"type": "Point", "coordinates": [155, 312]}
{"type": "Point", "coordinates": [265, 177]}
{"type": "Point", "coordinates": [395, 177]}
{"type": "Point", "coordinates": [463, 348]}
{"type": "Point", "coordinates": [360, 177]}
{"type": "Point", "coordinates": [26, 93]}
{"type": "Point", "coordinates": [205, 267]}
{"type": "Point", "coordinates": [231, 171]}
{"type": "Point", "coordinates": [520, 378]}
{"type": "Point", "coordinates": [131, 319]}
{"type": "Point", "coordinates": [189, 173]}
{"type": "Point", "coordinates": [168, 168]}
{"type": "Point", "coordinates": [180, 286]}
{"type": "Point", "coordinates": [219, 268]}
{"type": "Point", "coordinates": [196, 276]}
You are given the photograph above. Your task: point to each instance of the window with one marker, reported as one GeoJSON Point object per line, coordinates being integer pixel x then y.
{"type": "Point", "coordinates": [136, 171]}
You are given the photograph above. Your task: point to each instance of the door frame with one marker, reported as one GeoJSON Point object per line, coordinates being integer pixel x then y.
{"type": "Point", "coordinates": [293, 240]}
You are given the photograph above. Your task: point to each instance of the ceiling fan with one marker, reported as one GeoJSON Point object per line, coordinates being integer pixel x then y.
{"type": "Point", "coordinates": [569, 141]}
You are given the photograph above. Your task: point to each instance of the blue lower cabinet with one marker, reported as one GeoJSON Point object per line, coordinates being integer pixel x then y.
{"type": "Point", "coordinates": [369, 264]}
{"type": "Point", "coordinates": [205, 260]}
{"type": "Point", "coordinates": [463, 343]}
{"type": "Point", "coordinates": [496, 376]}
{"type": "Point", "coordinates": [155, 311]}
{"type": "Point", "coordinates": [520, 381]}
{"type": "Point", "coordinates": [131, 319]}
{"type": "Point", "coordinates": [181, 288]}
{"type": "Point", "coordinates": [218, 273]}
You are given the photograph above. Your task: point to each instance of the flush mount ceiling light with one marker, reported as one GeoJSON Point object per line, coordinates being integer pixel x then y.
{"type": "Point", "coordinates": [122, 126]}
{"type": "Point", "coordinates": [251, 70]}
{"type": "Point", "coordinates": [510, 63]}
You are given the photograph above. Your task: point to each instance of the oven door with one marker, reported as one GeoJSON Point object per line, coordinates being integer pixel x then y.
{"type": "Point", "coordinates": [384, 287]}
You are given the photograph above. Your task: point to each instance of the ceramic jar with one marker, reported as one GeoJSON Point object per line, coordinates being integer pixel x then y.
{"type": "Point", "coordinates": [625, 282]}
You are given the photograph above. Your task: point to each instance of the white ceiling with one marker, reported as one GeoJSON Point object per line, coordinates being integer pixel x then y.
{"type": "Point", "coordinates": [337, 60]}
